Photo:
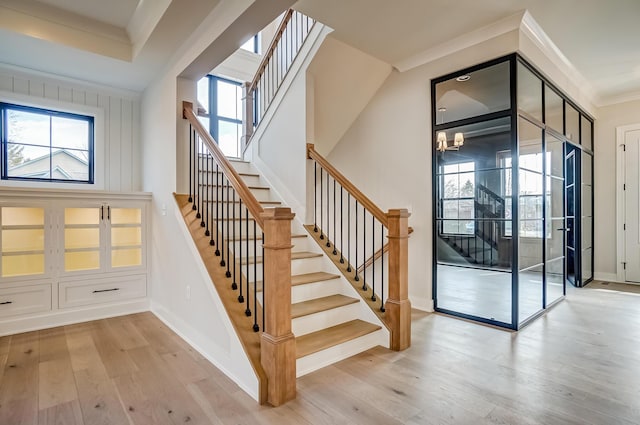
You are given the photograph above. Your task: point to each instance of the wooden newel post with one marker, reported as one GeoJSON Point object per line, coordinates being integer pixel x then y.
{"type": "Point", "coordinates": [398, 306]}
{"type": "Point", "coordinates": [247, 114]}
{"type": "Point", "coordinates": [278, 344]}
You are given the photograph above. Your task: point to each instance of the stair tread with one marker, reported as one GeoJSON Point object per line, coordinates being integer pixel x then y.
{"type": "Point", "coordinates": [250, 237]}
{"type": "Point", "coordinates": [294, 256]}
{"type": "Point", "coordinates": [237, 202]}
{"type": "Point", "coordinates": [303, 279]}
{"type": "Point", "coordinates": [330, 337]}
{"type": "Point", "coordinates": [317, 305]}
{"type": "Point", "coordinates": [240, 174]}
{"type": "Point", "coordinates": [226, 185]}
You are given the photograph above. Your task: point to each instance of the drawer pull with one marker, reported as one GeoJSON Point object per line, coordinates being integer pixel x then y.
{"type": "Point", "coordinates": [106, 290]}
{"type": "Point", "coordinates": [6, 302]}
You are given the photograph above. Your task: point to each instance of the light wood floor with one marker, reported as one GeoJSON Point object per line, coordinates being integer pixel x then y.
{"type": "Point", "coordinates": [578, 364]}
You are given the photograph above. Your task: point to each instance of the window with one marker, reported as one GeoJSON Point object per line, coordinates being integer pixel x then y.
{"type": "Point", "coordinates": [458, 198]}
{"type": "Point", "coordinates": [45, 145]}
{"type": "Point", "coordinates": [220, 110]}
{"type": "Point", "coordinates": [253, 44]}
{"type": "Point", "coordinates": [530, 196]}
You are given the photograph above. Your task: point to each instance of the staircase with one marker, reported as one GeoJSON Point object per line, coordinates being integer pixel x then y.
{"type": "Point", "coordinates": [482, 247]}
{"type": "Point", "coordinates": [330, 320]}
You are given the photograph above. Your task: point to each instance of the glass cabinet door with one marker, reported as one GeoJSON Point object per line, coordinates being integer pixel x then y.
{"type": "Point", "coordinates": [23, 241]}
{"type": "Point", "coordinates": [82, 239]}
{"type": "Point", "coordinates": [126, 237]}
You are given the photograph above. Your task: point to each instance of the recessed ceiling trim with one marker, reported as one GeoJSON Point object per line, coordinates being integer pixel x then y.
{"type": "Point", "coordinates": [113, 45]}
{"type": "Point", "coordinates": [143, 22]}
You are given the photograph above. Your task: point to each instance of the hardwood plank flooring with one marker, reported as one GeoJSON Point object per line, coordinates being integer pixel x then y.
{"type": "Point", "coordinates": [578, 364]}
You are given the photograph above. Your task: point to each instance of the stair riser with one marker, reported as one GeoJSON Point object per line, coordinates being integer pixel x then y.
{"type": "Point", "coordinates": [307, 265]}
{"type": "Point", "coordinates": [239, 166]}
{"type": "Point", "coordinates": [324, 319]}
{"type": "Point", "coordinates": [299, 245]}
{"type": "Point", "coordinates": [249, 180]}
{"type": "Point", "coordinates": [315, 361]}
{"type": "Point", "coordinates": [259, 194]}
{"type": "Point", "coordinates": [313, 290]}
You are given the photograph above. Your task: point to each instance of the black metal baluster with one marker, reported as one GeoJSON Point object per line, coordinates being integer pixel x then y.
{"type": "Point", "coordinates": [239, 256]}
{"type": "Point", "coordinates": [191, 136]}
{"type": "Point", "coordinates": [373, 258]}
{"type": "Point", "coordinates": [355, 264]}
{"type": "Point", "coordinates": [198, 187]}
{"type": "Point", "coordinates": [222, 233]}
{"type": "Point", "coordinates": [217, 211]}
{"type": "Point", "coordinates": [315, 196]}
{"type": "Point", "coordinates": [212, 220]}
{"type": "Point", "coordinates": [328, 244]}
{"type": "Point", "coordinates": [341, 226]}
{"type": "Point", "coordinates": [232, 240]}
{"type": "Point", "coordinates": [335, 252]}
{"type": "Point", "coordinates": [228, 273]}
{"type": "Point", "coordinates": [348, 232]}
{"type": "Point", "coordinates": [264, 288]}
{"type": "Point", "coordinates": [205, 200]}
{"type": "Point", "coordinates": [364, 249]}
{"type": "Point", "coordinates": [194, 158]}
{"type": "Point", "coordinates": [382, 267]}
{"type": "Point", "coordinates": [247, 262]}
{"type": "Point", "coordinates": [255, 275]}
{"type": "Point", "coordinates": [321, 205]}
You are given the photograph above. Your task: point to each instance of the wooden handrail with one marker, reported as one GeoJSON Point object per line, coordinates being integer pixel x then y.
{"type": "Point", "coordinates": [368, 204]}
{"type": "Point", "coordinates": [229, 172]}
{"type": "Point", "coordinates": [272, 47]}
{"type": "Point", "coordinates": [377, 255]}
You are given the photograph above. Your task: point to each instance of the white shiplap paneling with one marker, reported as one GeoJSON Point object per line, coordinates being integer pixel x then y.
{"type": "Point", "coordinates": [121, 112]}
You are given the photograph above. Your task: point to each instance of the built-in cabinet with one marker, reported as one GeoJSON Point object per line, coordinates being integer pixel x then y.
{"type": "Point", "coordinates": [69, 257]}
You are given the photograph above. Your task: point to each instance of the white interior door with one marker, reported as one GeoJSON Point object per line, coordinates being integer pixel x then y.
{"type": "Point", "coordinates": [632, 205]}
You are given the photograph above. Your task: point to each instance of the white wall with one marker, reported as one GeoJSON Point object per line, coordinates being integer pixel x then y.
{"type": "Point", "coordinates": [119, 157]}
{"type": "Point", "coordinates": [609, 117]}
{"type": "Point", "coordinates": [344, 79]}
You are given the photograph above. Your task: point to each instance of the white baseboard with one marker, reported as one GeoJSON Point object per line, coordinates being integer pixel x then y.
{"type": "Point", "coordinates": [52, 319]}
{"type": "Point", "coordinates": [607, 277]}
{"type": "Point", "coordinates": [422, 304]}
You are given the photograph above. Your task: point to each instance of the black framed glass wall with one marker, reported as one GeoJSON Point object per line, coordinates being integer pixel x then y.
{"type": "Point", "coordinates": [500, 213]}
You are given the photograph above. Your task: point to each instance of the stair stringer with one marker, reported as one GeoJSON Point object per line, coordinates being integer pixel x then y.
{"type": "Point", "coordinates": [246, 370]}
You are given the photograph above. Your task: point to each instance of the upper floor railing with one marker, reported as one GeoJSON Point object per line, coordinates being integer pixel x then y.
{"type": "Point", "coordinates": [276, 62]}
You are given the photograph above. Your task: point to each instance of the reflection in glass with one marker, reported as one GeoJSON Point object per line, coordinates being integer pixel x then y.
{"type": "Point", "coordinates": [586, 135]}
{"type": "Point", "coordinates": [529, 92]}
{"type": "Point", "coordinates": [553, 110]}
{"type": "Point", "coordinates": [572, 123]}
{"type": "Point", "coordinates": [485, 91]}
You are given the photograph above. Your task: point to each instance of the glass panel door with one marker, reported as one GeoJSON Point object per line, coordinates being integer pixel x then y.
{"type": "Point", "coordinates": [570, 211]}
{"type": "Point", "coordinates": [555, 222]}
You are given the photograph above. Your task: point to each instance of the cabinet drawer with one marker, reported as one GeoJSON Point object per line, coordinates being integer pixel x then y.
{"type": "Point", "coordinates": [24, 300]}
{"type": "Point", "coordinates": [101, 290]}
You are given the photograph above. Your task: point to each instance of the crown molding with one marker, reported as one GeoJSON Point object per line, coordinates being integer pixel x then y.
{"type": "Point", "coordinates": [619, 98]}
{"type": "Point", "coordinates": [500, 27]}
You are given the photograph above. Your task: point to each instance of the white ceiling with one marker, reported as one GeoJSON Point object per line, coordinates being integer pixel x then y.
{"type": "Point", "coordinates": [600, 38]}
{"type": "Point", "coordinates": [113, 12]}
{"type": "Point", "coordinates": [81, 38]}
